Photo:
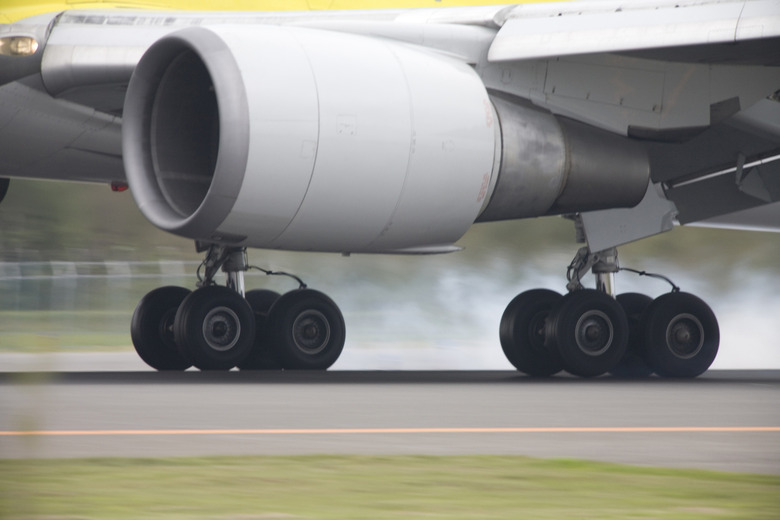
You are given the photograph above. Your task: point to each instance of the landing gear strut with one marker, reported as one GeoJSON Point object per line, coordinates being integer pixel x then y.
{"type": "Point", "coordinates": [220, 327]}
{"type": "Point", "coordinates": [589, 332]}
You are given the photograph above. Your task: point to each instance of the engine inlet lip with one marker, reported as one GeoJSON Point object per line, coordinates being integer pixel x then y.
{"type": "Point", "coordinates": [233, 142]}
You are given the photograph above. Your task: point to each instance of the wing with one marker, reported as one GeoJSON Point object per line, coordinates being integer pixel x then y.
{"type": "Point", "coordinates": [601, 96]}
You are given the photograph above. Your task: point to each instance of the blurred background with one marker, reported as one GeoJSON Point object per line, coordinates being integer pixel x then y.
{"type": "Point", "coordinates": [76, 258]}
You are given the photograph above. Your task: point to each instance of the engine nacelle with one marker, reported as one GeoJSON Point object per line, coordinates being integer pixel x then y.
{"type": "Point", "coordinates": [299, 139]}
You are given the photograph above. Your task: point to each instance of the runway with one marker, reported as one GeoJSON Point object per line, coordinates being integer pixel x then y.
{"type": "Point", "coordinates": [727, 420]}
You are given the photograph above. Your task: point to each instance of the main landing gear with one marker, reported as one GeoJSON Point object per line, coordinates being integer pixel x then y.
{"type": "Point", "coordinates": [220, 327]}
{"type": "Point", "coordinates": [589, 332]}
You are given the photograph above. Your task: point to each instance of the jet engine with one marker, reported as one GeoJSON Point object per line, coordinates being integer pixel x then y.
{"type": "Point", "coordinates": [302, 139]}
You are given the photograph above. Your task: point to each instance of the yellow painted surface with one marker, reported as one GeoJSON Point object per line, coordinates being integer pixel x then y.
{"type": "Point", "coordinates": [12, 10]}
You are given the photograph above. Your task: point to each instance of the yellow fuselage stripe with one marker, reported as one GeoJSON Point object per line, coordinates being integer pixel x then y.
{"type": "Point", "coordinates": [13, 10]}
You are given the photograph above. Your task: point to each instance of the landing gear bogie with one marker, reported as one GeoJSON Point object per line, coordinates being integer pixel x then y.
{"type": "Point", "coordinates": [220, 327]}
{"type": "Point", "coordinates": [590, 332]}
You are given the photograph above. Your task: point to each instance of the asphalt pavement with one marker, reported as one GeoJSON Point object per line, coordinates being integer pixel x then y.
{"type": "Point", "coordinates": [724, 420]}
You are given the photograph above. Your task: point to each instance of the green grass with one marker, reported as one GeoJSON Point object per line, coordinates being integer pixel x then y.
{"type": "Point", "coordinates": [355, 487]}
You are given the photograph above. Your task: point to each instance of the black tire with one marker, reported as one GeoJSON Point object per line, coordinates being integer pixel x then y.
{"type": "Point", "coordinates": [262, 356]}
{"type": "Point", "coordinates": [151, 328]}
{"type": "Point", "coordinates": [681, 335]}
{"type": "Point", "coordinates": [261, 300]}
{"type": "Point", "coordinates": [522, 333]}
{"type": "Point", "coordinates": [633, 364]}
{"type": "Point", "coordinates": [308, 330]}
{"type": "Point", "coordinates": [589, 330]}
{"type": "Point", "coordinates": [214, 328]}
{"type": "Point", "coordinates": [4, 183]}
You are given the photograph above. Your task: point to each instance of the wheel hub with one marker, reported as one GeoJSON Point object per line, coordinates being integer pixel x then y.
{"type": "Point", "coordinates": [685, 336]}
{"type": "Point", "coordinates": [311, 332]}
{"type": "Point", "coordinates": [594, 333]}
{"type": "Point", "coordinates": [221, 329]}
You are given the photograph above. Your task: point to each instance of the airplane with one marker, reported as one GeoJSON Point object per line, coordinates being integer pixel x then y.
{"type": "Point", "coordinates": [391, 127]}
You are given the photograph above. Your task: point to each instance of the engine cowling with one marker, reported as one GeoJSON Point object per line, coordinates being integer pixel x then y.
{"type": "Point", "coordinates": [301, 139]}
